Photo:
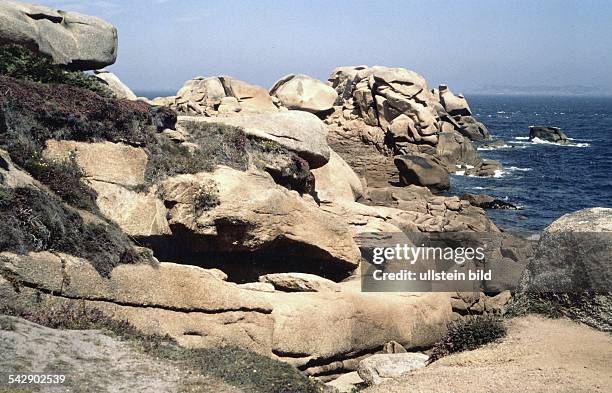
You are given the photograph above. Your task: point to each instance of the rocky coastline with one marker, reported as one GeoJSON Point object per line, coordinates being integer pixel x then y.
{"type": "Point", "coordinates": [233, 215]}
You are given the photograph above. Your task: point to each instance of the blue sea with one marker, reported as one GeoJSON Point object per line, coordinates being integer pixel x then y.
{"type": "Point", "coordinates": [545, 180]}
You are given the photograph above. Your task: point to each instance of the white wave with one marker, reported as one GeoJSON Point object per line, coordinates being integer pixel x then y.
{"type": "Point", "coordinates": [501, 112]}
{"type": "Point", "coordinates": [480, 188]}
{"type": "Point", "coordinates": [487, 148]}
{"type": "Point", "coordinates": [499, 173]}
{"type": "Point", "coordinates": [460, 173]}
{"type": "Point", "coordinates": [521, 138]}
{"type": "Point", "coordinates": [539, 141]}
{"type": "Point", "coordinates": [514, 168]}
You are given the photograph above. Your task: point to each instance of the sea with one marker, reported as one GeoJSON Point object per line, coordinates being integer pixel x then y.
{"type": "Point", "coordinates": [544, 180]}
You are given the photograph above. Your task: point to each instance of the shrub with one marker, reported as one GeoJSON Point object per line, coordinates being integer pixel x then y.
{"type": "Point", "coordinates": [21, 63]}
{"type": "Point", "coordinates": [206, 198]}
{"type": "Point", "coordinates": [468, 334]}
{"type": "Point", "coordinates": [7, 324]}
{"type": "Point", "coordinates": [32, 220]}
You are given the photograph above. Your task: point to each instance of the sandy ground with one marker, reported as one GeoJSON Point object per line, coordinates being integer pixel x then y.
{"type": "Point", "coordinates": [92, 362]}
{"type": "Point", "coordinates": [538, 355]}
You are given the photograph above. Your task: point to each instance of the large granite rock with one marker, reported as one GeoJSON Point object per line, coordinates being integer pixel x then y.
{"type": "Point", "coordinates": [119, 89]}
{"type": "Point", "coordinates": [252, 213]}
{"type": "Point", "coordinates": [300, 132]}
{"type": "Point", "coordinates": [336, 180]}
{"type": "Point", "coordinates": [103, 161]}
{"type": "Point", "coordinates": [422, 170]}
{"type": "Point", "coordinates": [572, 268]}
{"type": "Point", "coordinates": [550, 134]}
{"type": "Point", "coordinates": [304, 93]}
{"type": "Point", "coordinates": [574, 254]}
{"type": "Point", "coordinates": [198, 309]}
{"type": "Point", "coordinates": [77, 41]}
{"type": "Point", "coordinates": [219, 96]}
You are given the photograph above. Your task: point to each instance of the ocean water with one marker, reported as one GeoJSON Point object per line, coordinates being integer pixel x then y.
{"type": "Point", "coordinates": [545, 180]}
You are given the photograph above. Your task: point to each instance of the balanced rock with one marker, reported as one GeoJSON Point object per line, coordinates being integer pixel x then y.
{"type": "Point", "coordinates": [455, 105]}
{"type": "Point", "coordinates": [336, 180]}
{"type": "Point", "coordinates": [77, 41]}
{"type": "Point", "coordinates": [300, 132]}
{"type": "Point", "coordinates": [304, 93]}
{"type": "Point", "coordinates": [422, 170]}
{"type": "Point", "coordinates": [551, 134]}
{"type": "Point", "coordinates": [119, 89]}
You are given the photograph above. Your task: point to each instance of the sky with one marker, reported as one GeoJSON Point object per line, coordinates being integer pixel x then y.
{"type": "Point", "coordinates": [467, 44]}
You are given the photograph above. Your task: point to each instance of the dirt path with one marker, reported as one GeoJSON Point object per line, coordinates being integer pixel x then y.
{"type": "Point", "coordinates": [539, 355]}
{"type": "Point", "coordinates": [92, 362]}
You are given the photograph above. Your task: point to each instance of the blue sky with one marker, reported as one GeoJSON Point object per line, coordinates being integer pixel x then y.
{"type": "Point", "coordinates": [467, 44]}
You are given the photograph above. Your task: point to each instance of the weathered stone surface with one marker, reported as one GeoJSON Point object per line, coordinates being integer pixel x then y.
{"type": "Point", "coordinates": [300, 282]}
{"type": "Point", "coordinates": [551, 134]}
{"type": "Point", "coordinates": [298, 131]}
{"type": "Point", "coordinates": [199, 310]}
{"type": "Point", "coordinates": [346, 383]}
{"type": "Point", "coordinates": [574, 254]}
{"type": "Point", "coordinates": [136, 214]}
{"type": "Point", "coordinates": [336, 180]}
{"type": "Point", "coordinates": [219, 96]}
{"type": "Point", "coordinates": [304, 93]}
{"type": "Point", "coordinates": [253, 213]}
{"type": "Point", "coordinates": [377, 369]}
{"type": "Point", "coordinates": [422, 170]}
{"type": "Point", "coordinates": [77, 41]}
{"type": "Point", "coordinates": [454, 105]}
{"type": "Point", "coordinates": [103, 161]}
{"type": "Point", "coordinates": [115, 85]}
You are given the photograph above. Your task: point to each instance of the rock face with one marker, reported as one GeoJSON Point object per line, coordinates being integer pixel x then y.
{"type": "Point", "coordinates": [336, 180]}
{"type": "Point", "coordinates": [219, 95]}
{"type": "Point", "coordinates": [377, 369]}
{"type": "Point", "coordinates": [252, 213]}
{"type": "Point", "coordinates": [422, 170]}
{"type": "Point", "coordinates": [300, 282]}
{"type": "Point", "coordinates": [198, 309]}
{"type": "Point", "coordinates": [572, 267]}
{"type": "Point", "coordinates": [304, 93]}
{"type": "Point", "coordinates": [79, 42]}
{"type": "Point", "coordinates": [111, 80]}
{"type": "Point", "coordinates": [574, 254]}
{"type": "Point", "coordinates": [551, 134]}
{"type": "Point", "coordinates": [300, 132]}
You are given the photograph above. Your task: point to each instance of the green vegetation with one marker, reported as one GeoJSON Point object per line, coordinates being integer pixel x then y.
{"type": "Point", "coordinates": [21, 63]}
{"type": "Point", "coordinates": [206, 198]}
{"type": "Point", "coordinates": [468, 334]}
{"type": "Point", "coordinates": [32, 220]}
{"type": "Point", "coordinates": [7, 324]}
{"type": "Point", "coordinates": [216, 144]}
{"type": "Point", "coordinates": [588, 307]}
{"type": "Point", "coordinates": [248, 371]}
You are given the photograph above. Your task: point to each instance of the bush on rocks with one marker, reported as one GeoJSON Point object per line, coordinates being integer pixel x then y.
{"type": "Point", "coordinates": [32, 220]}
{"type": "Point", "coordinates": [21, 63]}
{"type": "Point", "coordinates": [468, 334]}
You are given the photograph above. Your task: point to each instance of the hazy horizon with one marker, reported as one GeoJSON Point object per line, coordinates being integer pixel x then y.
{"type": "Point", "coordinates": [469, 45]}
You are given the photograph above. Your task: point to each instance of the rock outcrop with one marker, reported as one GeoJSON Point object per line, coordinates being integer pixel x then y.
{"type": "Point", "coordinates": [219, 96]}
{"type": "Point", "coordinates": [571, 270]}
{"type": "Point", "coordinates": [77, 41]}
{"type": "Point", "coordinates": [422, 170]}
{"type": "Point", "coordinates": [119, 89]}
{"type": "Point", "coordinates": [300, 132]}
{"type": "Point", "coordinates": [198, 309]}
{"type": "Point", "coordinates": [304, 93]}
{"type": "Point", "coordinates": [550, 134]}
{"type": "Point", "coordinates": [377, 369]}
